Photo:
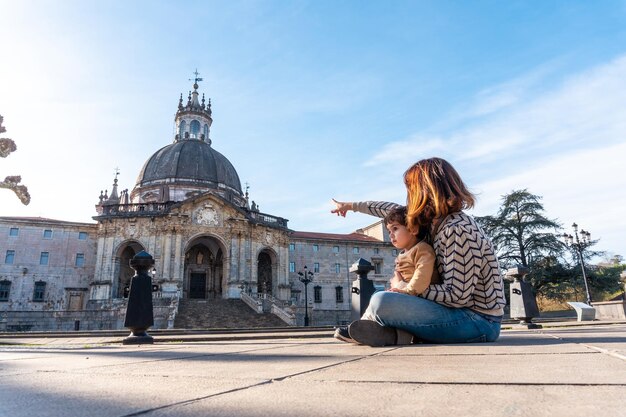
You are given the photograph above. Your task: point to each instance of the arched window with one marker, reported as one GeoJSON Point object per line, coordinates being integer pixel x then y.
{"type": "Point", "coordinates": [181, 129]}
{"type": "Point", "coordinates": [206, 131]}
{"type": "Point", "coordinates": [194, 127]}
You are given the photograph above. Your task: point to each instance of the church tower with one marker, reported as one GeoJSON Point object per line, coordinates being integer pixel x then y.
{"type": "Point", "coordinates": [187, 210]}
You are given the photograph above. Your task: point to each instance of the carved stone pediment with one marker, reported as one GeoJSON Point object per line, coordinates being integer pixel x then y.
{"type": "Point", "coordinates": [207, 214]}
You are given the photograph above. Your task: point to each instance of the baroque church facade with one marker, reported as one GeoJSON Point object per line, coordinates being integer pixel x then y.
{"type": "Point", "coordinates": [189, 211]}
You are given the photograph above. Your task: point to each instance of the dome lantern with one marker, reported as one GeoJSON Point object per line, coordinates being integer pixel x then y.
{"type": "Point", "coordinates": [193, 120]}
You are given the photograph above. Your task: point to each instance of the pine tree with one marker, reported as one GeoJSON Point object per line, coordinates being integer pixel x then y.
{"type": "Point", "coordinates": [520, 231]}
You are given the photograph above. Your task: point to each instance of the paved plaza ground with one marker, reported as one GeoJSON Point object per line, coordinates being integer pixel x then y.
{"type": "Point", "coordinates": [564, 369]}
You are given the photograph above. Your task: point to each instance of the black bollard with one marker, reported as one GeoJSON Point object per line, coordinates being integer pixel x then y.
{"type": "Point", "coordinates": [139, 316]}
{"type": "Point", "coordinates": [362, 288]}
{"type": "Point", "coordinates": [523, 302]}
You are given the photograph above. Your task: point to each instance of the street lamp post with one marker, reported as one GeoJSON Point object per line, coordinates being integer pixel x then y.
{"type": "Point", "coordinates": [306, 277]}
{"type": "Point", "coordinates": [579, 246]}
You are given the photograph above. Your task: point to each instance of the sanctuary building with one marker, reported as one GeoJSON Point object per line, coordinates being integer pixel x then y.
{"type": "Point", "coordinates": [213, 250]}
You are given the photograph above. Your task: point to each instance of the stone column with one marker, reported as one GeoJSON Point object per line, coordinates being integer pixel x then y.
{"type": "Point", "coordinates": [167, 256]}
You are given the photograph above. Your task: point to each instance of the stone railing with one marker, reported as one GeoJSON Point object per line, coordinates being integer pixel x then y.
{"type": "Point", "coordinates": [268, 219]}
{"type": "Point", "coordinates": [253, 302]}
{"type": "Point", "coordinates": [280, 308]}
{"type": "Point", "coordinates": [286, 314]}
{"type": "Point", "coordinates": [265, 303]}
{"type": "Point", "coordinates": [122, 210]}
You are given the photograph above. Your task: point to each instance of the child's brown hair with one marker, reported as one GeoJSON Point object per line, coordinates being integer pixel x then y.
{"type": "Point", "coordinates": [398, 215]}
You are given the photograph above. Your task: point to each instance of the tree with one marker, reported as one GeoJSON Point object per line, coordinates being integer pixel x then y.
{"type": "Point", "coordinates": [523, 235]}
{"type": "Point", "coordinates": [520, 232]}
{"type": "Point", "coordinates": [605, 280]}
{"type": "Point", "coordinates": [12, 182]}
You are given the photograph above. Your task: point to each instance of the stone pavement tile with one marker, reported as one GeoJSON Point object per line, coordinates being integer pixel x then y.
{"type": "Point", "coordinates": [69, 394]}
{"type": "Point", "coordinates": [609, 338]}
{"type": "Point", "coordinates": [209, 360]}
{"type": "Point", "coordinates": [261, 363]}
{"type": "Point", "coordinates": [518, 342]}
{"type": "Point", "coordinates": [112, 357]}
{"type": "Point", "coordinates": [332, 398]}
{"type": "Point", "coordinates": [593, 367]}
{"type": "Point", "coordinates": [55, 341]}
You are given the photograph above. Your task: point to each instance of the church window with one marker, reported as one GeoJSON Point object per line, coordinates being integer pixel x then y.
{"type": "Point", "coordinates": [292, 246]}
{"type": "Point", "coordinates": [337, 268]}
{"type": "Point", "coordinates": [14, 231]}
{"type": "Point", "coordinates": [339, 294]}
{"type": "Point", "coordinates": [206, 131]}
{"type": "Point", "coordinates": [316, 267]}
{"type": "Point", "coordinates": [80, 259]}
{"type": "Point", "coordinates": [292, 267]}
{"type": "Point", "coordinates": [376, 250]}
{"type": "Point", "coordinates": [39, 291]}
{"type": "Point", "coordinates": [394, 252]}
{"type": "Point", "coordinates": [181, 129]}
{"type": "Point", "coordinates": [10, 257]}
{"type": "Point", "coordinates": [316, 248]}
{"type": "Point", "coordinates": [47, 234]}
{"type": "Point", "coordinates": [195, 129]}
{"type": "Point", "coordinates": [5, 290]}
{"type": "Point", "coordinates": [355, 250]}
{"type": "Point", "coordinates": [336, 249]}
{"type": "Point", "coordinates": [82, 235]}
{"type": "Point", "coordinates": [317, 291]}
{"type": "Point", "coordinates": [43, 258]}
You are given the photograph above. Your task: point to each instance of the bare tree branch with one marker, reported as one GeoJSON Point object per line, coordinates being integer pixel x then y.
{"type": "Point", "coordinates": [12, 182]}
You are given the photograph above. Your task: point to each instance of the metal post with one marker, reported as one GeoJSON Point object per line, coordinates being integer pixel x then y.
{"type": "Point", "coordinates": [522, 300]}
{"type": "Point", "coordinates": [306, 304]}
{"type": "Point", "coordinates": [306, 277]}
{"type": "Point", "coordinates": [139, 314]}
{"type": "Point", "coordinates": [362, 288]}
{"type": "Point", "coordinates": [579, 246]}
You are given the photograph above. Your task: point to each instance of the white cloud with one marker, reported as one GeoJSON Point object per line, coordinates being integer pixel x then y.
{"type": "Point", "coordinates": [404, 151]}
{"type": "Point", "coordinates": [586, 187]}
{"type": "Point", "coordinates": [567, 144]}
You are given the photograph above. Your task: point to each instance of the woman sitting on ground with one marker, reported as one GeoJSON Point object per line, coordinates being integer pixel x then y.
{"type": "Point", "coordinates": [467, 306]}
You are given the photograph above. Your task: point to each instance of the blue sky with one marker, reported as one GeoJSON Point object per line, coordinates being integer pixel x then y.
{"type": "Point", "coordinates": [321, 99]}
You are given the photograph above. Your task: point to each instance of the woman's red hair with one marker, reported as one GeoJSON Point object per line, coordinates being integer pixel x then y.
{"type": "Point", "coordinates": [434, 190]}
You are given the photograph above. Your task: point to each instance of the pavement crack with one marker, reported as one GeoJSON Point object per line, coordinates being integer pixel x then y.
{"type": "Point", "coordinates": [511, 384]}
{"type": "Point", "coordinates": [597, 349]}
{"type": "Point", "coordinates": [332, 365]}
{"type": "Point", "coordinates": [192, 400]}
{"type": "Point", "coordinates": [612, 353]}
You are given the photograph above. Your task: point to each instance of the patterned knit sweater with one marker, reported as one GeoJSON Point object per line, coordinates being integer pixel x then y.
{"type": "Point", "coordinates": [466, 262]}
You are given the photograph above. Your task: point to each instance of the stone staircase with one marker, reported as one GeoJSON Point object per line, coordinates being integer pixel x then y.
{"type": "Point", "coordinates": [219, 313]}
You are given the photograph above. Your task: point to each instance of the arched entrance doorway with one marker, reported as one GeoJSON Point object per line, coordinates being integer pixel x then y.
{"type": "Point", "coordinates": [124, 271]}
{"type": "Point", "coordinates": [264, 273]}
{"type": "Point", "coordinates": [204, 269]}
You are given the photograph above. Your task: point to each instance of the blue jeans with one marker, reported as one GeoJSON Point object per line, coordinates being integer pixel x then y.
{"type": "Point", "coordinates": [430, 321]}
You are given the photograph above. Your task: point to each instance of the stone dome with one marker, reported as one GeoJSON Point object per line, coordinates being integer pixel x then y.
{"type": "Point", "coordinates": [192, 163]}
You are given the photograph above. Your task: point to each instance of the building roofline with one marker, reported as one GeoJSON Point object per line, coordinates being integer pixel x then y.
{"type": "Point", "coordinates": [44, 220]}
{"type": "Point", "coordinates": [354, 237]}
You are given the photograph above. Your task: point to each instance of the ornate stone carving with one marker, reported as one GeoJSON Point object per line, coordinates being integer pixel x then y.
{"type": "Point", "coordinates": [206, 215]}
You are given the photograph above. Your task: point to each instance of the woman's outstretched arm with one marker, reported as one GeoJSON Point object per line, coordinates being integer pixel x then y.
{"type": "Point", "coordinates": [373, 208]}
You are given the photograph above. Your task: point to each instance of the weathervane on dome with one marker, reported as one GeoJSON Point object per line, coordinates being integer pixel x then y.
{"type": "Point", "coordinates": [196, 79]}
